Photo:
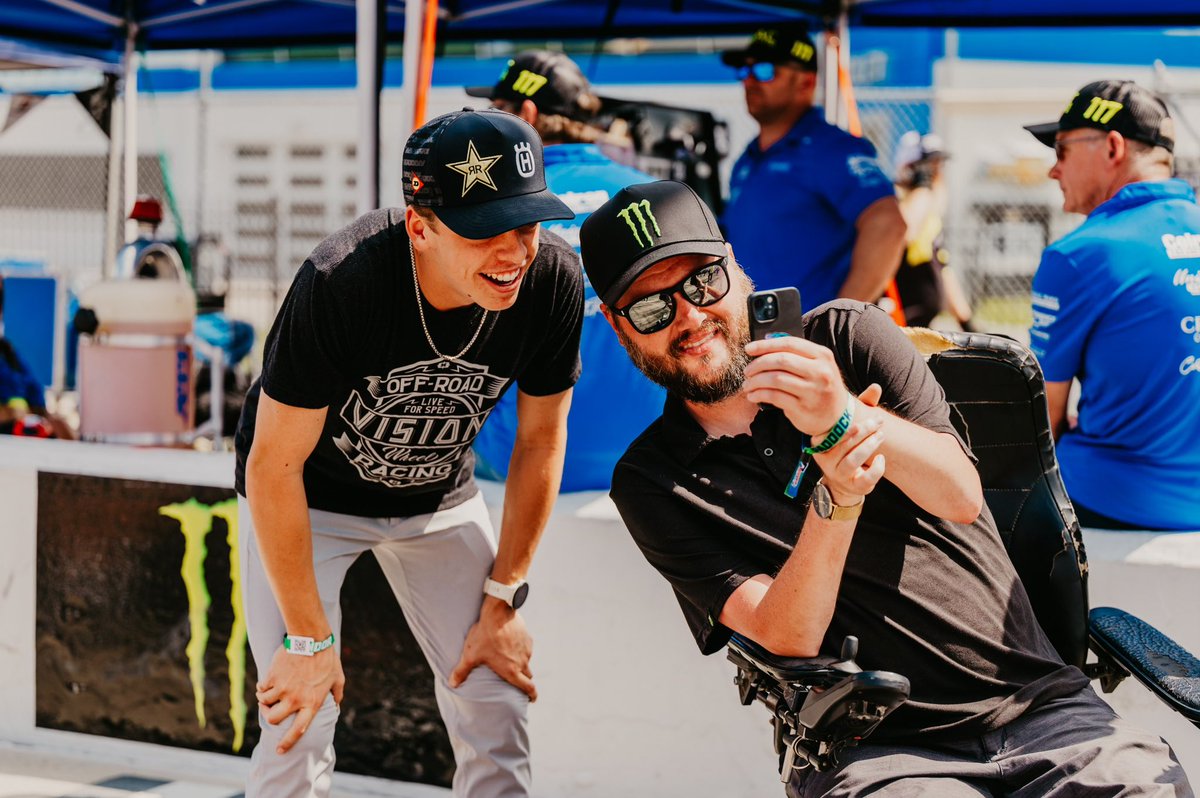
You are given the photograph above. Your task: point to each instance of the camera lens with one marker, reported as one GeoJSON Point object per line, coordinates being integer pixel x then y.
{"type": "Point", "coordinates": [766, 308]}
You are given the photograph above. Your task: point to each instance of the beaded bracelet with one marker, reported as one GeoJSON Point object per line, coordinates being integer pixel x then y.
{"type": "Point", "coordinates": [837, 433]}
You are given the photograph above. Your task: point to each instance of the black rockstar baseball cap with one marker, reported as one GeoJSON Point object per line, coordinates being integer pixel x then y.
{"type": "Point", "coordinates": [480, 172]}
{"type": "Point", "coordinates": [782, 45]}
{"type": "Point", "coordinates": [641, 225]}
{"type": "Point", "coordinates": [551, 80]}
{"type": "Point", "coordinates": [1119, 105]}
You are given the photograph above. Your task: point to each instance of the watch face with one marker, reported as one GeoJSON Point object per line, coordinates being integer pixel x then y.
{"type": "Point", "coordinates": [822, 501]}
{"type": "Point", "coordinates": [520, 596]}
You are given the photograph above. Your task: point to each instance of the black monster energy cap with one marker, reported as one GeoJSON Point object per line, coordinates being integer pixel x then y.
{"type": "Point", "coordinates": [480, 172]}
{"type": "Point", "coordinates": [784, 45]}
{"type": "Point", "coordinates": [1119, 105]}
{"type": "Point", "coordinates": [552, 80]}
{"type": "Point", "coordinates": [640, 226]}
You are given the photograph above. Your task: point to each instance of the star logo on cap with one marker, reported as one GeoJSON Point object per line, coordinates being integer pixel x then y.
{"type": "Point", "coordinates": [475, 169]}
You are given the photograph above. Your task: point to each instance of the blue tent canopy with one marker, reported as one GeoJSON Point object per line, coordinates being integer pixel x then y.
{"type": "Point", "coordinates": [100, 25]}
{"type": "Point", "coordinates": [1019, 13]}
{"type": "Point", "coordinates": [231, 24]}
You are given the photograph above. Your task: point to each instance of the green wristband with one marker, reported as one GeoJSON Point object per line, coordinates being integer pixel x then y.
{"type": "Point", "coordinates": [305, 646]}
{"type": "Point", "coordinates": [837, 433]}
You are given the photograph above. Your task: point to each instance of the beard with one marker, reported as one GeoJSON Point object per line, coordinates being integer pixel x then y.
{"type": "Point", "coordinates": [668, 371]}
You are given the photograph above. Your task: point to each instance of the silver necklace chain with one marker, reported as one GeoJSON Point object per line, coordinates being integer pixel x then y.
{"type": "Point", "coordinates": [421, 312]}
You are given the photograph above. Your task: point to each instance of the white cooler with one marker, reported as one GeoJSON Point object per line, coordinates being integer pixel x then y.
{"type": "Point", "coordinates": [135, 373]}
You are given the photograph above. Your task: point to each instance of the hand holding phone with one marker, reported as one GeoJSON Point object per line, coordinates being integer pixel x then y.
{"type": "Point", "coordinates": [774, 312]}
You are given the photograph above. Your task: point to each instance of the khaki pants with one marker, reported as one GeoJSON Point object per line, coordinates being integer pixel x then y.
{"type": "Point", "coordinates": [435, 564]}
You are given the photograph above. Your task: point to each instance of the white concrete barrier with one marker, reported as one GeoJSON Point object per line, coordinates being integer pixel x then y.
{"type": "Point", "coordinates": [627, 705]}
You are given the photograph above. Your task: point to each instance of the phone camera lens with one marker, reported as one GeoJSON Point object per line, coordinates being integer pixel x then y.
{"type": "Point", "coordinates": [766, 308]}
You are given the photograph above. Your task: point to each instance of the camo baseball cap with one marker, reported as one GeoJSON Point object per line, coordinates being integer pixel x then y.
{"type": "Point", "coordinates": [1119, 105]}
{"type": "Point", "coordinates": [641, 225]}
{"type": "Point", "coordinates": [480, 172]}
{"type": "Point", "coordinates": [782, 45]}
{"type": "Point", "coordinates": [551, 80]}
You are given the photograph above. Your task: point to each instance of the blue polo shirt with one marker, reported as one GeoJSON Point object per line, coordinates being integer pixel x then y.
{"type": "Point", "coordinates": [613, 401]}
{"type": "Point", "coordinates": [1116, 303]}
{"type": "Point", "coordinates": [792, 209]}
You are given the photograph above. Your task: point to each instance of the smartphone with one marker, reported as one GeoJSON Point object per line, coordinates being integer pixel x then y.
{"type": "Point", "coordinates": [774, 312]}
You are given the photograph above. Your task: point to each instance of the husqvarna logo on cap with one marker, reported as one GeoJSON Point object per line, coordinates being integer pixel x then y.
{"type": "Point", "coordinates": [526, 165]}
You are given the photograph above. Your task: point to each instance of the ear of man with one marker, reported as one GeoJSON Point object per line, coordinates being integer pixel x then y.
{"type": "Point", "coordinates": [528, 111]}
{"type": "Point", "coordinates": [419, 223]}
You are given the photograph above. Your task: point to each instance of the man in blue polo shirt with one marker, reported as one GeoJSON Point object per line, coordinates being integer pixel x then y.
{"type": "Point", "coordinates": [613, 402]}
{"type": "Point", "coordinates": [1116, 305]}
{"type": "Point", "coordinates": [808, 203]}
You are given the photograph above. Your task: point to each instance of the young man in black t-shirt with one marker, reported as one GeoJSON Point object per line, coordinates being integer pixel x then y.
{"type": "Point", "coordinates": [399, 334]}
{"type": "Point", "coordinates": [783, 502]}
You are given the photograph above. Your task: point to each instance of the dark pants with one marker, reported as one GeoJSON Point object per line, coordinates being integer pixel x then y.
{"type": "Point", "coordinates": [1090, 519]}
{"type": "Point", "coordinates": [1073, 746]}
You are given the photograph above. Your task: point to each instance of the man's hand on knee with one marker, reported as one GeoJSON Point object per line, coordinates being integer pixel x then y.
{"type": "Point", "coordinates": [500, 641]}
{"type": "Point", "coordinates": [297, 686]}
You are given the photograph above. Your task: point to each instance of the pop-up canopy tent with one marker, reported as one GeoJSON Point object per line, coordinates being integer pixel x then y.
{"type": "Point", "coordinates": [117, 29]}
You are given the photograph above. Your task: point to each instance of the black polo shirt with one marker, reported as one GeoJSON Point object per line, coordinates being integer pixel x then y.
{"type": "Point", "coordinates": [936, 601]}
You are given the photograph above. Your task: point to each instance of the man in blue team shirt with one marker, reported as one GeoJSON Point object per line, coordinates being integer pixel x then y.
{"type": "Point", "coordinates": [1116, 305]}
{"type": "Point", "coordinates": [613, 402]}
{"type": "Point", "coordinates": [808, 204]}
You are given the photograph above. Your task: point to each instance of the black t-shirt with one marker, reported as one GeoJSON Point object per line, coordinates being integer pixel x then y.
{"type": "Point", "coordinates": [397, 437]}
{"type": "Point", "coordinates": [936, 601]}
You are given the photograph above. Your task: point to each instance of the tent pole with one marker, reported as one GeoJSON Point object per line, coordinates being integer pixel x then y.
{"type": "Point", "coordinates": [129, 137]}
{"type": "Point", "coordinates": [830, 73]}
{"type": "Point", "coordinates": [367, 54]}
{"type": "Point", "coordinates": [413, 23]}
{"type": "Point", "coordinates": [425, 71]}
{"type": "Point", "coordinates": [112, 203]}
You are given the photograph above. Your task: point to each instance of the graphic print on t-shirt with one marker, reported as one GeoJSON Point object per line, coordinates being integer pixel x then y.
{"type": "Point", "coordinates": [412, 426]}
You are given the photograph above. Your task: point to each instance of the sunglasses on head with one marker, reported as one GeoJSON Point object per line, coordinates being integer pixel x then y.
{"type": "Point", "coordinates": [762, 71]}
{"type": "Point", "coordinates": [705, 286]}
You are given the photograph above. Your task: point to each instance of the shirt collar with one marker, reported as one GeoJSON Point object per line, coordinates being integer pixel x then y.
{"type": "Point", "coordinates": [685, 439]}
{"type": "Point", "coordinates": [804, 126]}
{"type": "Point", "coordinates": [1135, 194]}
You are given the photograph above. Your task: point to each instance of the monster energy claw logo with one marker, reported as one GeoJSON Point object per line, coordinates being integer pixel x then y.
{"type": "Point", "coordinates": [1102, 111]}
{"type": "Point", "coordinates": [195, 522]}
{"type": "Point", "coordinates": [636, 215]}
{"type": "Point", "coordinates": [528, 83]}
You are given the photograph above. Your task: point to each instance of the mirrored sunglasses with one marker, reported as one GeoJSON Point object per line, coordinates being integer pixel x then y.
{"type": "Point", "coordinates": [763, 71]}
{"type": "Point", "coordinates": [705, 286]}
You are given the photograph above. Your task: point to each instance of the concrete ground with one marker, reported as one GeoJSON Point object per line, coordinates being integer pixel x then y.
{"type": "Point", "coordinates": [26, 774]}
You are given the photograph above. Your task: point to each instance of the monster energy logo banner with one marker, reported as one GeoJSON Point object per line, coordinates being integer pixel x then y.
{"type": "Point", "coordinates": [640, 218]}
{"type": "Point", "coordinates": [195, 522]}
{"type": "Point", "coordinates": [414, 425]}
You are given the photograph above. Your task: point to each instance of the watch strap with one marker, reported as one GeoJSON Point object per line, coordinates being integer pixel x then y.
{"type": "Point", "coordinates": [847, 512]}
{"type": "Point", "coordinates": [499, 590]}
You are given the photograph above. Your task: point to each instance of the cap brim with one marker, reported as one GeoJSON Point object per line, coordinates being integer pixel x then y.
{"type": "Point", "coordinates": [734, 58]}
{"type": "Point", "coordinates": [1044, 132]}
{"type": "Point", "coordinates": [487, 92]}
{"type": "Point", "coordinates": [706, 247]}
{"type": "Point", "coordinates": [491, 218]}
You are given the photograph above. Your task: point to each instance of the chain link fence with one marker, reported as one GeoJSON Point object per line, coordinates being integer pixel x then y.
{"type": "Point", "coordinates": [271, 197]}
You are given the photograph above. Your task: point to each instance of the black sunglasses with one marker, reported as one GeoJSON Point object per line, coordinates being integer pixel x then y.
{"type": "Point", "coordinates": [705, 286]}
{"type": "Point", "coordinates": [763, 71]}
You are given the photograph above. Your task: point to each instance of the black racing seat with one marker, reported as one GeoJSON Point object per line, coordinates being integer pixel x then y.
{"type": "Point", "coordinates": [997, 398]}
